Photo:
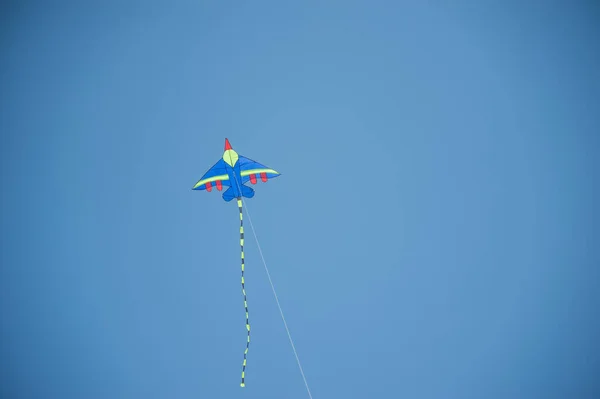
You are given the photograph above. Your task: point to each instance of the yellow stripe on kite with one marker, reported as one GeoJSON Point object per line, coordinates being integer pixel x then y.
{"type": "Point", "coordinates": [211, 179]}
{"type": "Point", "coordinates": [258, 171]}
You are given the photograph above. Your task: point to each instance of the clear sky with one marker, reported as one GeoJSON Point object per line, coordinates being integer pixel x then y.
{"type": "Point", "coordinates": [434, 232]}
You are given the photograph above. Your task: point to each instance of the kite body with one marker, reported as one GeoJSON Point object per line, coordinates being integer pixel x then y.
{"type": "Point", "coordinates": [234, 171]}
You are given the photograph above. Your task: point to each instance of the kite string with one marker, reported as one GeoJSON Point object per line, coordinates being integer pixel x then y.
{"type": "Point", "coordinates": [276, 298]}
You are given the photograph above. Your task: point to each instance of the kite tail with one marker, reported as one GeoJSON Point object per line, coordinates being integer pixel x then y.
{"type": "Point", "coordinates": [239, 201]}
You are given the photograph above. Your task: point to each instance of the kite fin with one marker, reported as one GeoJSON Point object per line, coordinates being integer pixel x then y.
{"type": "Point", "coordinates": [247, 192]}
{"type": "Point", "coordinates": [228, 195]}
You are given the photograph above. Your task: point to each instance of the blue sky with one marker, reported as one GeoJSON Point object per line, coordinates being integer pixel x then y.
{"type": "Point", "coordinates": [432, 234]}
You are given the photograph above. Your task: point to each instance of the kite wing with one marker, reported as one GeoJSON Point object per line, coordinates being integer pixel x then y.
{"type": "Point", "coordinates": [216, 176]}
{"type": "Point", "coordinates": [251, 170]}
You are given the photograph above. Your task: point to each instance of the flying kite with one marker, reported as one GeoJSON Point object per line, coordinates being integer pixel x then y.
{"type": "Point", "coordinates": [234, 171]}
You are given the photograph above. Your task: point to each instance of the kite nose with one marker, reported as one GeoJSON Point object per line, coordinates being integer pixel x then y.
{"type": "Point", "coordinates": [227, 145]}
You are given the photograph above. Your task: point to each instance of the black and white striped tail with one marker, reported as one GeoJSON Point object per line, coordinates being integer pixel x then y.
{"type": "Point", "coordinates": [239, 201]}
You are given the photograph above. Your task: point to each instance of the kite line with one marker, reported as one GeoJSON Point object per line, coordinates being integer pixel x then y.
{"type": "Point", "coordinates": [276, 300]}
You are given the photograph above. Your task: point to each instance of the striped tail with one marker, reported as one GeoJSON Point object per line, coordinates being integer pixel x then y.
{"type": "Point", "coordinates": [239, 201]}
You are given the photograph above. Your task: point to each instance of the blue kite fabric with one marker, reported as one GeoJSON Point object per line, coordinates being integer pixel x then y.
{"type": "Point", "coordinates": [234, 171]}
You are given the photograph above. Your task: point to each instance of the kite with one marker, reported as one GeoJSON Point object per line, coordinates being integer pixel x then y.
{"type": "Point", "coordinates": [234, 171]}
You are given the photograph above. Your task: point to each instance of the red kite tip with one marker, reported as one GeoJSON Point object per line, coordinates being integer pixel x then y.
{"type": "Point", "coordinates": [227, 145]}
